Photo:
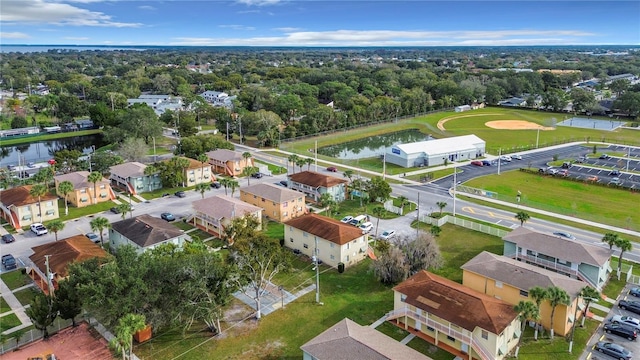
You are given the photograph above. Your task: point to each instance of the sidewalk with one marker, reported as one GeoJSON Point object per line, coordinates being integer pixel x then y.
{"type": "Point", "coordinates": [16, 307]}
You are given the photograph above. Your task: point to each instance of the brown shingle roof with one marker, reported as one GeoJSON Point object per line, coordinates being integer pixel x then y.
{"type": "Point", "coordinates": [347, 340]}
{"type": "Point", "coordinates": [79, 179]}
{"type": "Point", "coordinates": [129, 169]}
{"type": "Point", "coordinates": [145, 230]}
{"type": "Point", "coordinates": [19, 196]}
{"type": "Point", "coordinates": [315, 179]}
{"type": "Point", "coordinates": [560, 248]}
{"type": "Point", "coordinates": [222, 206]}
{"type": "Point", "coordinates": [519, 274]}
{"type": "Point", "coordinates": [224, 155]}
{"type": "Point", "coordinates": [456, 303]}
{"type": "Point", "coordinates": [271, 192]}
{"type": "Point", "coordinates": [326, 228]}
{"type": "Point", "coordinates": [64, 252]}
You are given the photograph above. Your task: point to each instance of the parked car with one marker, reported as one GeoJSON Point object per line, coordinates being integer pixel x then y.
{"type": "Point", "coordinates": [387, 234]}
{"type": "Point", "coordinates": [167, 216]}
{"type": "Point", "coordinates": [256, 175]}
{"type": "Point", "coordinates": [31, 165]}
{"type": "Point", "coordinates": [332, 169]}
{"type": "Point", "coordinates": [486, 163]}
{"type": "Point", "coordinates": [358, 220]}
{"type": "Point", "coordinates": [11, 167]}
{"type": "Point", "coordinates": [517, 157]}
{"type": "Point", "coordinates": [565, 235]}
{"type": "Point", "coordinates": [506, 158]}
{"type": "Point", "coordinates": [566, 165]}
{"type": "Point", "coordinates": [592, 178]}
{"type": "Point", "coordinates": [9, 262]}
{"type": "Point", "coordinates": [284, 183]}
{"type": "Point", "coordinates": [116, 210]}
{"type": "Point", "coordinates": [604, 156]}
{"type": "Point", "coordinates": [180, 194]}
{"type": "Point", "coordinates": [631, 305]}
{"type": "Point", "coordinates": [563, 172]}
{"type": "Point", "coordinates": [627, 320]}
{"type": "Point", "coordinates": [615, 181]}
{"type": "Point", "coordinates": [215, 185]}
{"type": "Point", "coordinates": [366, 227]}
{"type": "Point", "coordinates": [634, 292]}
{"type": "Point", "coordinates": [8, 238]}
{"type": "Point", "coordinates": [38, 229]}
{"type": "Point", "coordinates": [93, 237]}
{"type": "Point", "coordinates": [346, 219]}
{"type": "Point", "coordinates": [614, 350]}
{"type": "Point", "coordinates": [552, 171]}
{"type": "Point", "coordinates": [477, 163]}
{"type": "Point", "coordinates": [621, 330]}
{"type": "Point", "coordinates": [614, 173]}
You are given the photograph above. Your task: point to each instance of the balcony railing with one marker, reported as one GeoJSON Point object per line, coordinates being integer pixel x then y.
{"type": "Point", "coordinates": [554, 266]}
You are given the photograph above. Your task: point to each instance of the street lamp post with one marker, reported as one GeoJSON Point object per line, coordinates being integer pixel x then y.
{"type": "Point", "coordinates": [154, 149]}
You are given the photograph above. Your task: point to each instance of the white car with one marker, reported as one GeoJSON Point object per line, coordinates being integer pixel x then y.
{"type": "Point", "coordinates": [626, 320]}
{"type": "Point", "coordinates": [366, 227]}
{"type": "Point", "coordinates": [387, 234]}
{"type": "Point", "coordinates": [565, 235]}
{"type": "Point", "coordinates": [39, 229]}
{"type": "Point", "coordinates": [346, 219]}
{"type": "Point", "coordinates": [506, 158]}
{"type": "Point", "coordinates": [517, 157]}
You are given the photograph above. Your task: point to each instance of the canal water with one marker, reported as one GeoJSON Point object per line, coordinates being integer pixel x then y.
{"type": "Point", "coordinates": [372, 146]}
{"type": "Point", "coordinates": [42, 151]}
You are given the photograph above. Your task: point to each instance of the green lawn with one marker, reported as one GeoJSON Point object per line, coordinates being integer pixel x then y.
{"type": "Point", "coordinates": [15, 279]}
{"type": "Point", "coordinates": [558, 348]}
{"type": "Point", "coordinates": [26, 295]}
{"type": "Point", "coordinates": [75, 212]}
{"type": "Point", "coordinates": [183, 225]}
{"type": "Point", "coordinates": [9, 321]}
{"type": "Point", "coordinates": [4, 307]}
{"type": "Point", "coordinates": [590, 202]}
{"type": "Point", "coordinates": [29, 139]}
{"type": "Point", "coordinates": [274, 229]}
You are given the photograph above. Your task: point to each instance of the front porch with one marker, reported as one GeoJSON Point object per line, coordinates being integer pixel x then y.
{"type": "Point", "coordinates": [431, 340]}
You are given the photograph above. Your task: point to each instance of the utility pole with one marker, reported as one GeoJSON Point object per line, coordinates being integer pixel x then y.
{"type": "Point", "coordinates": [537, 138]}
{"type": "Point", "coordinates": [384, 163]}
{"type": "Point", "coordinates": [575, 323]}
{"type": "Point", "coordinates": [316, 155]}
{"type": "Point", "coordinates": [418, 223]}
{"type": "Point", "coordinates": [49, 279]}
{"type": "Point", "coordinates": [455, 184]}
{"type": "Point", "coordinates": [499, 160]}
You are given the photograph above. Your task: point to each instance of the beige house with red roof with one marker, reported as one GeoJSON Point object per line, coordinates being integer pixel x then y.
{"type": "Point", "coordinates": [228, 162]}
{"type": "Point", "coordinates": [61, 254]}
{"type": "Point", "coordinates": [21, 209]}
{"type": "Point", "coordinates": [457, 319]}
{"type": "Point", "coordinates": [336, 242]}
{"type": "Point", "coordinates": [279, 203]}
{"type": "Point", "coordinates": [314, 184]}
{"type": "Point", "coordinates": [82, 194]}
{"type": "Point", "coordinates": [213, 214]}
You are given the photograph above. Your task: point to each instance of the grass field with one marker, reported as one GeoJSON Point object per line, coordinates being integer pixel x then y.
{"type": "Point", "coordinates": [29, 139]}
{"type": "Point", "coordinates": [596, 203]}
{"type": "Point", "coordinates": [8, 322]}
{"type": "Point", "coordinates": [15, 279]}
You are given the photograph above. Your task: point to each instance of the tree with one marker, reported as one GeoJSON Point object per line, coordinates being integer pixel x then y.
{"type": "Point", "coordinates": [248, 171]}
{"type": "Point", "coordinates": [38, 190]}
{"type": "Point", "coordinates": [556, 296]}
{"type": "Point", "coordinates": [624, 245]}
{"type": "Point", "coordinates": [259, 259]}
{"type": "Point", "coordinates": [42, 312]}
{"type": "Point", "coordinates": [421, 253]}
{"type": "Point", "coordinates": [225, 182]}
{"type": "Point", "coordinates": [589, 295]}
{"type": "Point", "coordinates": [441, 205]}
{"type": "Point", "coordinates": [526, 311]}
{"type": "Point", "coordinates": [99, 224]}
{"type": "Point", "coordinates": [610, 239]}
{"type": "Point", "coordinates": [203, 158]}
{"type": "Point", "coordinates": [308, 161]}
{"type": "Point", "coordinates": [102, 161]}
{"type": "Point", "coordinates": [67, 302]}
{"type": "Point", "coordinates": [522, 217]}
{"type": "Point", "coordinates": [538, 294]}
{"type": "Point", "coordinates": [127, 327]}
{"type": "Point", "coordinates": [378, 211]}
{"type": "Point", "coordinates": [233, 184]}
{"type": "Point", "coordinates": [123, 209]}
{"type": "Point", "coordinates": [182, 164]}
{"type": "Point", "coordinates": [326, 201]}
{"type": "Point", "coordinates": [55, 226]}
{"type": "Point", "coordinates": [246, 156]}
{"type": "Point", "coordinates": [300, 162]}
{"type": "Point", "coordinates": [18, 122]}
{"type": "Point", "coordinates": [349, 175]}
{"type": "Point", "coordinates": [133, 149]}
{"type": "Point", "coordinates": [140, 121]}
{"type": "Point", "coordinates": [94, 177]}
{"type": "Point", "coordinates": [378, 189]}
{"type": "Point", "coordinates": [403, 201]}
{"type": "Point", "coordinates": [391, 267]}
{"type": "Point", "coordinates": [293, 159]}
{"type": "Point", "coordinates": [202, 187]}
{"type": "Point", "coordinates": [65, 188]}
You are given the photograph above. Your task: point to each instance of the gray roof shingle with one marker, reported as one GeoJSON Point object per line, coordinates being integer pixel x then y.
{"type": "Point", "coordinates": [145, 230]}
{"type": "Point", "coordinates": [271, 192]}
{"type": "Point", "coordinates": [222, 206]}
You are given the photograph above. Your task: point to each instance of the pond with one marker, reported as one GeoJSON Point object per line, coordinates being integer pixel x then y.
{"type": "Point", "coordinates": [41, 151]}
{"type": "Point", "coordinates": [372, 146]}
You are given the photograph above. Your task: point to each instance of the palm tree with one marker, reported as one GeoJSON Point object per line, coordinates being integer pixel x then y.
{"type": "Point", "coordinates": [538, 294]}
{"type": "Point", "coordinates": [94, 177]}
{"type": "Point", "coordinates": [203, 158]}
{"type": "Point", "coordinates": [122, 209]}
{"type": "Point", "coordinates": [556, 296]}
{"type": "Point", "coordinates": [527, 311]}
{"type": "Point", "coordinates": [589, 295]}
{"type": "Point", "coordinates": [183, 164]}
{"type": "Point", "coordinates": [378, 211]}
{"type": "Point", "coordinates": [623, 245]}
{"type": "Point", "coordinates": [151, 169]}
{"type": "Point", "coordinates": [128, 325]}
{"type": "Point", "coordinates": [441, 205]}
{"type": "Point", "coordinates": [522, 217]}
{"type": "Point", "coordinates": [300, 162]}
{"type": "Point", "coordinates": [293, 159]}
{"type": "Point", "coordinates": [55, 225]}
{"type": "Point", "coordinates": [327, 201]}
{"type": "Point", "coordinates": [224, 182]}
{"type": "Point", "coordinates": [98, 225]}
{"type": "Point", "coordinates": [65, 188]}
{"type": "Point", "coordinates": [611, 239]}
{"type": "Point", "coordinates": [349, 175]}
{"type": "Point", "coordinates": [38, 190]}
{"type": "Point", "coordinates": [248, 171]}
{"type": "Point", "coordinates": [403, 201]}
{"type": "Point", "coordinates": [246, 156]}
{"type": "Point", "coordinates": [233, 184]}
{"type": "Point", "coordinates": [202, 187]}
{"type": "Point", "coordinates": [308, 161]}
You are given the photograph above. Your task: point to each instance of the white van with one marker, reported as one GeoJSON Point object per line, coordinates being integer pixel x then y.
{"type": "Point", "coordinates": [358, 220]}
{"type": "Point", "coordinates": [366, 227]}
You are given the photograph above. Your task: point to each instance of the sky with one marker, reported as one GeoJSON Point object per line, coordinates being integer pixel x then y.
{"type": "Point", "coordinates": [319, 23]}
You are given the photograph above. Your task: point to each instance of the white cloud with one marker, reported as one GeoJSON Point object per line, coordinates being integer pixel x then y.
{"type": "Point", "coordinates": [13, 35]}
{"type": "Point", "coordinates": [237, 27]}
{"type": "Point", "coordinates": [249, 12]}
{"type": "Point", "coordinates": [146, 7]}
{"type": "Point", "coordinates": [287, 29]}
{"type": "Point", "coordinates": [42, 12]}
{"type": "Point", "coordinates": [78, 38]}
{"type": "Point", "coordinates": [258, 2]}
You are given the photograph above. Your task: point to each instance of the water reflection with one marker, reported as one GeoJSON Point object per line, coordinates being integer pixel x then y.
{"type": "Point", "coordinates": [372, 146]}
{"type": "Point", "coordinates": [43, 150]}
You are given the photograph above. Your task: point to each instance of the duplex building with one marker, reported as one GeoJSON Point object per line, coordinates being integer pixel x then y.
{"type": "Point", "coordinates": [228, 162]}
{"type": "Point", "coordinates": [335, 242]}
{"type": "Point", "coordinates": [215, 213]}
{"type": "Point", "coordinates": [436, 152]}
{"type": "Point", "coordinates": [457, 319]}
{"type": "Point", "coordinates": [145, 232]}
{"type": "Point", "coordinates": [131, 177]}
{"type": "Point", "coordinates": [84, 192]}
{"type": "Point", "coordinates": [586, 262]}
{"type": "Point", "coordinates": [21, 209]}
{"type": "Point", "coordinates": [278, 203]}
{"type": "Point", "coordinates": [218, 98]}
{"type": "Point", "coordinates": [197, 173]}
{"type": "Point", "coordinates": [314, 184]}
{"type": "Point", "coordinates": [510, 280]}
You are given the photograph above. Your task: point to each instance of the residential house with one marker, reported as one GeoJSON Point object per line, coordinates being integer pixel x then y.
{"type": "Point", "coordinates": [455, 318]}
{"type": "Point", "coordinates": [228, 162]}
{"type": "Point", "coordinates": [217, 98]}
{"type": "Point", "coordinates": [335, 242]}
{"type": "Point", "coordinates": [510, 280]}
{"type": "Point", "coordinates": [159, 103]}
{"type": "Point", "coordinates": [197, 173]}
{"type": "Point", "coordinates": [279, 203]}
{"type": "Point", "coordinates": [60, 254]}
{"type": "Point", "coordinates": [513, 102]}
{"type": "Point", "coordinates": [348, 340]}
{"type": "Point", "coordinates": [314, 184]}
{"type": "Point", "coordinates": [462, 108]}
{"type": "Point", "coordinates": [131, 177]}
{"type": "Point", "coordinates": [21, 209]}
{"type": "Point", "coordinates": [145, 232]}
{"type": "Point", "coordinates": [83, 189]}
{"type": "Point", "coordinates": [215, 213]}
{"type": "Point", "coordinates": [589, 263]}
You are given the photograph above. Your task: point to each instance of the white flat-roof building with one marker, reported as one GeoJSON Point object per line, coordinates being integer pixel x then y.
{"type": "Point", "coordinates": [436, 152]}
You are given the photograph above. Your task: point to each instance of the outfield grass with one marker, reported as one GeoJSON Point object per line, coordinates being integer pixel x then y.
{"type": "Point", "coordinates": [15, 279]}
{"type": "Point", "coordinates": [596, 203]}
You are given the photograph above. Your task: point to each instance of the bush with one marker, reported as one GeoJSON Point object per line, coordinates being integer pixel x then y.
{"type": "Point", "coordinates": [18, 122]}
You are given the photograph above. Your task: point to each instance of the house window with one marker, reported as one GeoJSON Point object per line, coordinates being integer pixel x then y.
{"type": "Point", "coordinates": [83, 191]}
{"type": "Point", "coordinates": [524, 293]}
{"type": "Point", "coordinates": [192, 172]}
{"type": "Point", "coordinates": [286, 213]}
{"type": "Point", "coordinates": [403, 297]}
{"type": "Point", "coordinates": [305, 246]}
{"type": "Point", "coordinates": [305, 234]}
{"type": "Point", "coordinates": [26, 217]}
{"type": "Point", "coordinates": [50, 212]}
{"type": "Point", "coordinates": [346, 258]}
{"type": "Point", "coordinates": [332, 245]}
{"type": "Point", "coordinates": [103, 195]}
{"type": "Point", "coordinates": [192, 179]}
{"type": "Point", "coordinates": [285, 204]}
{"type": "Point", "coordinates": [206, 176]}
{"type": "Point", "coordinates": [262, 199]}
{"type": "Point", "coordinates": [103, 186]}
{"type": "Point", "coordinates": [83, 200]}
{"type": "Point", "coordinates": [499, 284]}
{"type": "Point", "coordinates": [451, 338]}
{"type": "Point", "coordinates": [26, 209]}
{"type": "Point", "coordinates": [485, 334]}
{"type": "Point", "coordinates": [332, 257]}
{"type": "Point", "coordinates": [49, 203]}
{"type": "Point", "coordinates": [291, 239]}
{"type": "Point", "coordinates": [348, 246]}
